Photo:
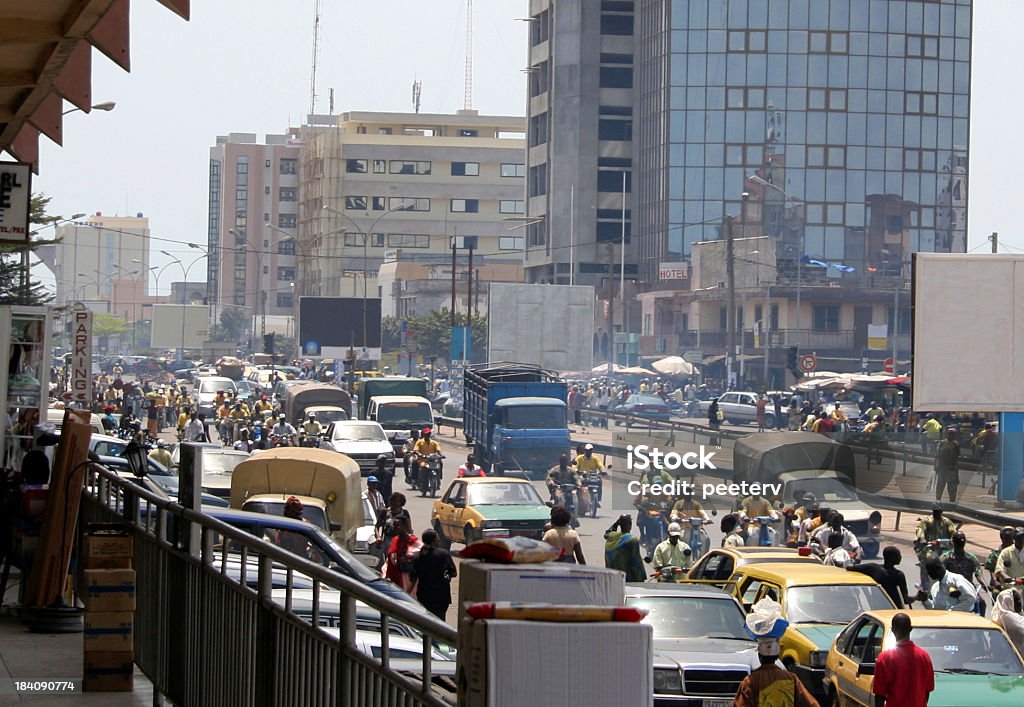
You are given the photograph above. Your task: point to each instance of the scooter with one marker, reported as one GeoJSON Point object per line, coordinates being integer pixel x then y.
{"type": "Point", "coordinates": [696, 538]}
{"type": "Point", "coordinates": [593, 482]}
{"type": "Point", "coordinates": [930, 550]}
{"type": "Point", "coordinates": [430, 472]}
{"type": "Point", "coordinates": [668, 573]}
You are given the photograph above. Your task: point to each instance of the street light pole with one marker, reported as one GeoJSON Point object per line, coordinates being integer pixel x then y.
{"type": "Point", "coordinates": [757, 179]}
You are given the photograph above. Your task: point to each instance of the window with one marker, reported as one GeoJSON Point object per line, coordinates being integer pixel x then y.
{"type": "Point", "coordinates": [464, 132]}
{"type": "Point", "coordinates": [267, 164]}
{"type": "Point", "coordinates": [919, 160]}
{"type": "Point", "coordinates": [538, 129]}
{"type": "Point", "coordinates": [509, 169]}
{"type": "Point", "coordinates": [285, 300]}
{"type": "Point", "coordinates": [355, 202]}
{"type": "Point", "coordinates": [287, 194]}
{"type": "Point", "coordinates": [355, 166]}
{"type": "Point", "coordinates": [510, 243]}
{"type": "Point", "coordinates": [922, 46]}
{"type": "Point", "coordinates": [751, 40]}
{"type": "Point", "coordinates": [286, 220]}
{"type": "Point", "coordinates": [410, 203]}
{"type": "Point", "coordinates": [826, 318]}
{"type": "Point", "coordinates": [828, 43]}
{"type": "Point", "coordinates": [266, 190]}
{"type": "Point", "coordinates": [510, 206]}
{"type": "Point", "coordinates": [916, 103]}
{"type": "Point", "coordinates": [826, 99]}
{"type": "Point", "coordinates": [377, 240]}
{"type": "Point", "coordinates": [289, 166]}
{"type": "Point", "coordinates": [286, 247]}
{"type": "Point", "coordinates": [354, 239]}
{"type": "Point", "coordinates": [538, 181]}
{"type": "Point", "coordinates": [612, 181]}
{"type": "Point", "coordinates": [611, 231]}
{"type": "Point", "coordinates": [404, 240]}
{"type": "Point", "coordinates": [379, 203]}
{"type": "Point", "coordinates": [539, 28]}
{"type": "Point", "coordinates": [745, 98]}
{"type": "Point", "coordinates": [609, 129]}
{"type": "Point", "coordinates": [467, 206]}
{"type": "Point", "coordinates": [379, 167]}
{"type": "Point", "coordinates": [616, 77]}
{"type": "Point", "coordinates": [465, 169]}
{"type": "Point", "coordinates": [286, 273]}
{"type": "Point", "coordinates": [408, 167]}
{"type": "Point", "coordinates": [617, 25]}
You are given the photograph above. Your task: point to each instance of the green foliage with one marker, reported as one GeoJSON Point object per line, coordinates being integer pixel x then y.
{"type": "Point", "coordinates": [104, 324]}
{"type": "Point", "coordinates": [234, 325]}
{"type": "Point", "coordinates": [431, 335]}
{"type": "Point", "coordinates": [15, 288]}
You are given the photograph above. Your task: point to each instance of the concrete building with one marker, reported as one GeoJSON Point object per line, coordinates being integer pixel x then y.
{"type": "Point", "coordinates": [411, 288]}
{"type": "Point", "coordinates": [253, 213]}
{"type": "Point", "coordinates": [406, 181]}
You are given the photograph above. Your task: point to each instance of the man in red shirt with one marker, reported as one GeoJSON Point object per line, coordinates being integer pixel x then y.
{"type": "Point", "coordinates": [903, 675]}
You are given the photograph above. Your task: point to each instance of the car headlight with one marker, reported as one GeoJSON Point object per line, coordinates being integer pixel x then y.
{"type": "Point", "coordinates": [668, 681]}
{"type": "Point", "coordinates": [817, 659]}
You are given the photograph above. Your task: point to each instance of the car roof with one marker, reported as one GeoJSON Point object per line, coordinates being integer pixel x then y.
{"type": "Point", "coordinates": [797, 574]}
{"type": "Point", "coordinates": [676, 589]}
{"type": "Point", "coordinates": [232, 515]}
{"type": "Point", "coordinates": [492, 480]}
{"type": "Point", "coordinates": [400, 398]}
{"type": "Point", "coordinates": [760, 553]}
{"type": "Point", "coordinates": [928, 618]}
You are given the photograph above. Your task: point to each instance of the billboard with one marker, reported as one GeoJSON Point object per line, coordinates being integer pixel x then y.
{"type": "Point", "coordinates": [15, 188]}
{"type": "Point", "coordinates": [179, 326]}
{"type": "Point", "coordinates": [968, 332]}
{"type": "Point", "coordinates": [548, 325]}
{"type": "Point", "coordinates": [330, 326]}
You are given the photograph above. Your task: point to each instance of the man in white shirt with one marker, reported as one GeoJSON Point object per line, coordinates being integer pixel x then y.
{"type": "Point", "coordinates": [835, 525]}
{"type": "Point", "coordinates": [195, 430]}
{"type": "Point", "coordinates": [950, 591]}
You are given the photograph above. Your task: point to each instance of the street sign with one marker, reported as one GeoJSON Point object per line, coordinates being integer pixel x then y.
{"type": "Point", "coordinates": [673, 271]}
{"type": "Point", "coordinates": [887, 366]}
{"type": "Point", "coordinates": [81, 356]}
{"type": "Point", "coordinates": [808, 362]}
{"type": "Point", "coordinates": [693, 356]}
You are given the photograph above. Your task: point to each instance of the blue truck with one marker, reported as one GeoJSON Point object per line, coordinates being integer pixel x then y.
{"type": "Point", "coordinates": [514, 416]}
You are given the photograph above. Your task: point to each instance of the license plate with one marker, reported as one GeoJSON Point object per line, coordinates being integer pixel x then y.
{"type": "Point", "coordinates": [717, 703]}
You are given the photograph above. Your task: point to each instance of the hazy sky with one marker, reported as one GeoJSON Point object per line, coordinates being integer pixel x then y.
{"type": "Point", "coordinates": [244, 66]}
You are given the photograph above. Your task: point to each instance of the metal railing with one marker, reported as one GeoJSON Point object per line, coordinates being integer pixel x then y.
{"type": "Point", "coordinates": [211, 630]}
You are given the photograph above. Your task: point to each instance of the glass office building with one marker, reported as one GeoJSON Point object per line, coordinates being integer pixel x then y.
{"type": "Point", "coordinates": [845, 122]}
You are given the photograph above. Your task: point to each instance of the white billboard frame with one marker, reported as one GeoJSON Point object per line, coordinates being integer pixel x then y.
{"type": "Point", "coordinates": [167, 330]}
{"type": "Point", "coordinates": [968, 333]}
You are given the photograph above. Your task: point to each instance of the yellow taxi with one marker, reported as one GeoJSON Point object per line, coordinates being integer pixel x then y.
{"type": "Point", "coordinates": [817, 600]}
{"type": "Point", "coordinates": [489, 507]}
{"type": "Point", "coordinates": [717, 565]}
{"type": "Point", "coordinates": [974, 661]}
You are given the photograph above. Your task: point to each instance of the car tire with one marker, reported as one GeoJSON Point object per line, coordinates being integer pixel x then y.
{"type": "Point", "coordinates": [832, 696]}
{"type": "Point", "coordinates": [769, 422]}
{"type": "Point", "coordinates": [445, 543]}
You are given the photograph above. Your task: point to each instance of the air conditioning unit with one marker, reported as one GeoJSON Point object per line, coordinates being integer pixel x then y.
{"type": "Point", "coordinates": [660, 344]}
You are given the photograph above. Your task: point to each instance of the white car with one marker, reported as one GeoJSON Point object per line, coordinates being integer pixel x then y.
{"type": "Point", "coordinates": [362, 440]}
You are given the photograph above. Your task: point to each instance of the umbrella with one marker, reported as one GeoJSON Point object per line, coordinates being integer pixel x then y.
{"type": "Point", "coordinates": [636, 371]}
{"type": "Point", "coordinates": [673, 366]}
{"type": "Point", "coordinates": [603, 368]}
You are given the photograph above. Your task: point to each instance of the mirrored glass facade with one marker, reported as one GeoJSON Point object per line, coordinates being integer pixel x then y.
{"type": "Point", "coordinates": [845, 122]}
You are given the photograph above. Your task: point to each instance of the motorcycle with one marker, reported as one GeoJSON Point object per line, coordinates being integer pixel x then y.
{"type": "Point", "coordinates": [668, 573]}
{"type": "Point", "coordinates": [593, 483]}
{"type": "Point", "coordinates": [430, 473]}
{"type": "Point", "coordinates": [409, 463]}
{"type": "Point", "coordinates": [564, 495]}
{"type": "Point", "coordinates": [696, 538]}
{"type": "Point", "coordinates": [652, 530]}
{"type": "Point", "coordinates": [277, 440]}
{"type": "Point", "coordinates": [931, 550]}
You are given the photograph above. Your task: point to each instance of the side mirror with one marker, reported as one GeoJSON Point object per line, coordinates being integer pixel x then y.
{"type": "Point", "coordinates": [865, 669]}
{"type": "Point", "coordinates": [335, 527]}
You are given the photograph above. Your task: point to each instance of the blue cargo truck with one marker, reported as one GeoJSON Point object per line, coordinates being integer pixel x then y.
{"type": "Point", "coordinates": [514, 415]}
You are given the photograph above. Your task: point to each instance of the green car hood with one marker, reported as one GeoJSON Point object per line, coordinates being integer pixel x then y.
{"type": "Point", "coordinates": [513, 512]}
{"type": "Point", "coordinates": [821, 635]}
{"type": "Point", "coordinates": [953, 690]}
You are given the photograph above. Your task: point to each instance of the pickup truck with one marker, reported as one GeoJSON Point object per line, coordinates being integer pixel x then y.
{"type": "Point", "coordinates": [399, 404]}
{"type": "Point", "coordinates": [742, 407]}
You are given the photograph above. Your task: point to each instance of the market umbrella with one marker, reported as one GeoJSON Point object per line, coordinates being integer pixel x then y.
{"type": "Point", "coordinates": [603, 368]}
{"type": "Point", "coordinates": [636, 371]}
{"type": "Point", "coordinates": [674, 366]}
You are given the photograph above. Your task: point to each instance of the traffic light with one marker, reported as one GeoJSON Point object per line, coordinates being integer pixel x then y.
{"type": "Point", "coordinates": [791, 354]}
{"type": "Point", "coordinates": [268, 343]}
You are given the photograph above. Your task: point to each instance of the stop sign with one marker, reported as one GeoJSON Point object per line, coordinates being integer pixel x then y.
{"type": "Point", "coordinates": [887, 366]}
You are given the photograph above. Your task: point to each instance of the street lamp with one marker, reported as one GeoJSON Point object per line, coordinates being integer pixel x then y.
{"type": "Point", "coordinates": [135, 311]}
{"type": "Point", "coordinates": [104, 106]}
{"type": "Point", "coordinates": [185, 271]}
{"type": "Point", "coordinates": [757, 179]}
{"type": "Point", "coordinates": [365, 235]}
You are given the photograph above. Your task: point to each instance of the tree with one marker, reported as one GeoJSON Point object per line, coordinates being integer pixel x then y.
{"type": "Point", "coordinates": [432, 334]}
{"type": "Point", "coordinates": [234, 325]}
{"type": "Point", "coordinates": [17, 286]}
{"type": "Point", "coordinates": [104, 324]}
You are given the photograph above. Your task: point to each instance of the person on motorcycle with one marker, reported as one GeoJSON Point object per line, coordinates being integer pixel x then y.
{"type": "Point", "coordinates": [311, 431]}
{"type": "Point", "coordinates": [985, 443]}
{"type": "Point", "coordinates": [560, 475]}
{"type": "Point", "coordinates": [959, 560]}
{"type": "Point", "coordinates": [757, 505]}
{"type": "Point", "coordinates": [471, 468]}
{"type": "Point", "coordinates": [283, 429]}
{"type": "Point", "coordinates": [1010, 564]}
{"type": "Point", "coordinates": [949, 591]}
{"type": "Point", "coordinates": [1005, 541]}
{"type": "Point", "coordinates": [938, 527]}
{"type": "Point", "coordinates": [671, 552]}
{"type": "Point", "coordinates": [263, 406]}
{"type": "Point", "coordinates": [424, 446]}
{"type": "Point", "coordinates": [586, 464]}
{"type": "Point", "coordinates": [687, 507]}
{"type": "Point", "coordinates": [108, 421]}
{"type": "Point", "coordinates": [874, 411]}
{"type": "Point", "coordinates": [161, 455]}
{"type": "Point", "coordinates": [761, 533]}
{"type": "Point", "coordinates": [836, 555]}
{"type": "Point", "coordinates": [875, 433]}
{"type": "Point", "coordinates": [835, 525]}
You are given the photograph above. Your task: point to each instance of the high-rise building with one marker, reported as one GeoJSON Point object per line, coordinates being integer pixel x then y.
{"type": "Point", "coordinates": [253, 213]}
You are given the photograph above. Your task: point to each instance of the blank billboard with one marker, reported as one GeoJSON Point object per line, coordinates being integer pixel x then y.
{"type": "Point", "coordinates": [968, 333]}
{"type": "Point", "coordinates": [548, 325]}
{"type": "Point", "coordinates": [329, 326]}
{"type": "Point", "coordinates": [167, 331]}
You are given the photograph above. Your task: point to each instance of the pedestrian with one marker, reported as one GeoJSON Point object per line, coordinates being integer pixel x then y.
{"type": "Point", "coordinates": [777, 407]}
{"type": "Point", "coordinates": [947, 465]}
{"type": "Point", "coordinates": [729, 526]}
{"type": "Point", "coordinates": [563, 537]}
{"type": "Point", "coordinates": [888, 575]}
{"type": "Point", "coordinates": [759, 411]}
{"type": "Point", "coordinates": [374, 496]}
{"type": "Point", "coordinates": [903, 674]}
{"type": "Point", "coordinates": [769, 685]}
{"type": "Point", "coordinates": [715, 418]}
{"type": "Point", "coordinates": [794, 415]}
{"type": "Point", "coordinates": [1007, 613]}
{"type": "Point", "coordinates": [434, 569]}
{"type": "Point", "coordinates": [385, 473]}
{"type": "Point", "coordinates": [401, 552]}
{"type": "Point", "coordinates": [949, 591]}
{"type": "Point", "coordinates": [195, 430]}
{"type": "Point", "coordinates": [622, 550]}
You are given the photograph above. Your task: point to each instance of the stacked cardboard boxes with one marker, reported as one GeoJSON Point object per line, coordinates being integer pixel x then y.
{"type": "Point", "coordinates": [109, 597]}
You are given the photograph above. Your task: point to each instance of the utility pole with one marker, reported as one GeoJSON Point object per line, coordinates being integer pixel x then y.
{"type": "Point", "coordinates": [994, 240]}
{"type": "Point", "coordinates": [611, 310]}
{"type": "Point", "coordinates": [730, 318]}
{"type": "Point", "coordinates": [453, 285]}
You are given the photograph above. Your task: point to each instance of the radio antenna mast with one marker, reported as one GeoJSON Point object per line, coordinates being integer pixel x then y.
{"type": "Point", "coordinates": [316, 56]}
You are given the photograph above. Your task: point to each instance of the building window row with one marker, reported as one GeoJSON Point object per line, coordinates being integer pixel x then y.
{"type": "Point", "coordinates": [289, 166]}
{"type": "Point", "coordinates": [465, 169]}
{"type": "Point", "coordinates": [287, 194]}
{"type": "Point", "coordinates": [465, 206]}
{"type": "Point", "coordinates": [921, 103]}
{"type": "Point", "coordinates": [287, 220]}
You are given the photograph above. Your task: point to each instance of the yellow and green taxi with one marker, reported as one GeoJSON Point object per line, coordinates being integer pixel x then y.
{"type": "Point", "coordinates": [489, 507]}
{"type": "Point", "coordinates": [974, 661]}
{"type": "Point", "coordinates": [717, 565]}
{"type": "Point", "coordinates": [817, 600]}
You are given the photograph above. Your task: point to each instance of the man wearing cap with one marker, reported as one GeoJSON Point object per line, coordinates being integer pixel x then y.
{"type": "Point", "coordinates": [311, 430]}
{"type": "Point", "coordinates": [385, 473]}
{"type": "Point", "coordinates": [284, 429]}
{"type": "Point", "coordinates": [1010, 564]}
{"type": "Point", "coordinates": [425, 445]}
{"type": "Point", "coordinates": [671, 552]}
{"type": "Point", "coordinates": [586, 463]}
{"type": "Point", "coordinates": [373, 495]}
{"type": "Point", "coordinates": [903, 674]}
{"type": "Point", "coordinates": [108, 421]}
{"type": "Point", "coordinates": [770, 685]}
{"type": "Point", "coordinates": [947, 465]}
{"type": "Point", "coordinates": [161, 455]}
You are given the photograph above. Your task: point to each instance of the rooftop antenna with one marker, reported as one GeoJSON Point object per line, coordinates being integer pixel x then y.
{"type": "Point", "coordinates": [330, 99]}
{"type": "Point", "coordinates": [316, 57]}
{"type": "Point", "coordinates": [468, 101]}
{"type": "Point", "coordinates": [416, 89]}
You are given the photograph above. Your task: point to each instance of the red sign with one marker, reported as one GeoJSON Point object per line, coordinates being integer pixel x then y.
{"type": "Point", "coordinates": [887, 366]}
{"type": "Point", "coordinates": [808, 362]}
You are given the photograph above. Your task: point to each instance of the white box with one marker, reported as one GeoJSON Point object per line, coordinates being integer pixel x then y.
{"type": "Point", "coordinates": [548, 583]}
{"type": "Point", "coordinates": [537, 663]}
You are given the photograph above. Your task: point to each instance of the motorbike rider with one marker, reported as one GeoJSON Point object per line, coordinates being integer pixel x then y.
{"type": "Point", "coordinates": [263, 406]}
{"type": "Point", "coordinates": [161, 455]}
{"type": "Point", "coordinates": [963, 563]}
{"type": "Point", "coordinates": [930, 530]}
{"type": "Point", "coordinates": [108, 421]}
{"type": "Point", "coordinates": [586, 463]}
{"type": "Point", "coordinates": [471, 468]}
{"type": "Point", "coordinates": [761, 534]}
{"type": "Point", "coordinates": [671, 552]}
{"type": "Point", "coordinates": [311, 430]}
{"type": "Point", "coordinates": [284, 429]}
{"type": "Point", "coordinates": [836, 555]}
{"type": "Point", "coordinates": [424, 446]}
{"type": "Point", "coordinates": [873, 412]}
{"type": "Point", "coordinates": [835, 525]}
{"type": "Point", "coordinates": [685, 507]}
{"type": "Point", "coordinates": [561, 474]}
{"type": "Point", "coordinates": [1010, 564]}
{"type": "Point", "coordinates": [1005, 540]}
{"type": "Point", "coordinates": [757, 505]}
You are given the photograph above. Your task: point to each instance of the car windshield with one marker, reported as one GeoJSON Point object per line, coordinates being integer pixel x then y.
{"type": "Point", "coordinates": [534, 417]}
{"type": "Point", "coordinates": [326, 417]}
{"type": "Point", "coordinates": [220, 463]}
{"type": "Point", "coordinates": [692, 617]}
{"type": "Point", "coordinates": [646, 400]}
{"type": "Point", "coordinates": [967, 650]}
{"type": "Point", "coordinates": [500, 494]}
{"type": "Point", "coordinates": [212, 386]}
{"type": "Point", "coordinates": [824, 488]}
{"type": "Point", "coordinates": [833, 604]}
{"type": "Point", "coordinates": [411, 414]}
{"type": "Point", "coordinates": [359, 433]}
{"type": "Point", "coordinates": [310, 513]}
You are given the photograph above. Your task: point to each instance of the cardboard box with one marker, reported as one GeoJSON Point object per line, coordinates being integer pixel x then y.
{"type": "Point", "coordinates": [109, 590]}
{"type": "Point", "coordinates": [515, 663]}
{"type": "Point", "coordinates": [109, 671]}
{"type": "Point", "coordinates": [109, 631]}
{"type": "Point", "coordinates": [107, 548]}
{"type": "Point", "coordinates": [549, 583]}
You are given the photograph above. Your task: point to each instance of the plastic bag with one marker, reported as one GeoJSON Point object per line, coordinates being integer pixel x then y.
{"type": "Point", "coordinates": [517, 550]}
{"type": "Point", "coordinates": [765, 619]}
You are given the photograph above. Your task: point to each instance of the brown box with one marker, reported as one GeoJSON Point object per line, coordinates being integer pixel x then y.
{"type": "Point", "coordinates": [107, 548]}
{"type": "Point", "coordinates": [109, 590]}
{"type": "Point", "coordinates": [108, 671]}
{"type": "Point", "coordinates": [108, 631]}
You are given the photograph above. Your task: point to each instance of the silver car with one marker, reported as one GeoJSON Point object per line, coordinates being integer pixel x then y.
{"type": "Point", "coordinates": [742, 407]}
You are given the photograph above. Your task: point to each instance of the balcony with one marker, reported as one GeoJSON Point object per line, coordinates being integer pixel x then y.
{"type": "Point", "coordinates": [805, 339]}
